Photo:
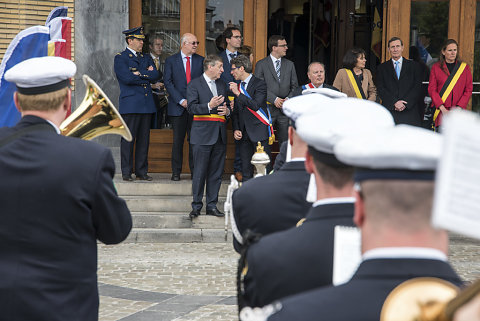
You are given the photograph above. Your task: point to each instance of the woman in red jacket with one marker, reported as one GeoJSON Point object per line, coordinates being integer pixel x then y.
{"type": "Point", "coordinates": [458, 90]}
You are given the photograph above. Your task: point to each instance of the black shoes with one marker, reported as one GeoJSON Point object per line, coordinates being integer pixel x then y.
{"type": "Point", "coordinates": [175, 177]}
{"type": "Point", "coordinates": [215, 212]}
{"type": "Point", "coordinates": [127, 178]}
{"type": "Point", "coordinates": [144, 178]}
{"type": "Point", "coordinates": [194, 214]}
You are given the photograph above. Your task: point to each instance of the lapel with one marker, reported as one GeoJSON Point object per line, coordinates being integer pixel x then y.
{"type": "Point", "coordinates": [206, 87]}
{"type": "Point", "coordinates": [365, 83]}
{"type": "Point", "coordinates": [251, 86]}
{"type": "Point", "coordinates": [391, 70]}
{"type": "Point", "coordinates": [283, 69]}
{"type": "Point", "coordinates": [180, 65]}
{"type": "Point", "coordinates": [272, 68]}
{"type": "Point", "coordinates": [220, 86]}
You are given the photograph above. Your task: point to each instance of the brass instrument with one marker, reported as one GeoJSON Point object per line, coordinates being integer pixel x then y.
{"type": "Point", "coordinates": [95, 116]}
{"type": "Point", "coordinates": [426, 299]}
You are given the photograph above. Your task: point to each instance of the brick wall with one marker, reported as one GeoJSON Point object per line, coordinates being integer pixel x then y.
{"type": "Point", "coordinates": [17, 15]}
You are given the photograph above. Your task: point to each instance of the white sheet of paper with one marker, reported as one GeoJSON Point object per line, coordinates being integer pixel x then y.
{"type": "Point", "coordinates": [456, 205]}
{"type": "Point", "coordinates": [346, 253]}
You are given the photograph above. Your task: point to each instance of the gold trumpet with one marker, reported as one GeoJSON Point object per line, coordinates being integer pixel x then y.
{"type": "Point", "coordinates": [95, 116]}
{"type": "Point", "coordinates": [426, 299]}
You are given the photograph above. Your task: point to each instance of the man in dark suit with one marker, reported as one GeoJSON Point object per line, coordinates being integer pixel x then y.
{"type": "Point", "coordinates": [135, 74]}
{"type": "Point", "coordinates": [180, 69]}
{"type": "Point", "coordinates": [316, 75]}
{"type": "Point", "coordinates": [161, 118]}
{"type": "Point", "coordinates": [305, 253]}
{"type": "Point", "coordinates": [274, 202]}
{"type": "Point", "coordinates": [281, 78]}
{"type": "Point", "coordinates": [399, 85]}
{"type": "Point", "coordinates": [393, 210]}
{"type": "Point", "coordinates": [233, 38]}
{"type": "Point", "coordinates": [250, 112]}
{"type": "Point", "coordinates": [206, 102]}
{"type": "Point", "coordinates": [57, 198]}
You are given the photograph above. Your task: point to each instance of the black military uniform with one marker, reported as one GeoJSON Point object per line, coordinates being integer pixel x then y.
{"type": "Point", "coordinates": [298, 259]}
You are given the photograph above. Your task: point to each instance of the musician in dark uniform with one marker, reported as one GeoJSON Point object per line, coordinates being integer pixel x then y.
{"type": "Point", "coordinates": [393, 210]}
{"type": "Point", "coordinates": [277, 201]}
{"type": "Point", "coordinates": [57, 200]}
{"type": "Point", "coordinates": [135, 73]}
{"type": "Point", "coordinates": [305, 253]}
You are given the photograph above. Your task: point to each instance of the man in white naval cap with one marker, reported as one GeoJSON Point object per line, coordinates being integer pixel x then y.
{"type": "Point", "coordinates": [395, 169]}
{"type": "Point", "coordinates": [57, 200]}
{"type": "Point", "coordinates": [301, 258]}
{"type": "Point", "coordinates": [277, 201]}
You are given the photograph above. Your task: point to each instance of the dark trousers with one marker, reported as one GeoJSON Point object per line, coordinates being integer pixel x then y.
{"type": "Point", "coordinates": [209, 163]}
{"type": "Point", "coordinates": [181, 127]}
{"type": "Point", "coordinates": [280, 123]}
{"type": "Point", "coordinates": [139, 126]}
{"type": "Point", "coordinates": [247, 149]}
{"type": "Point", "coordinates": [237, 162]}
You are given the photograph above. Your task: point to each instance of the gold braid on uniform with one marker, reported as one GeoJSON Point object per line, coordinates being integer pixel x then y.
{"type": "Point", "coordinates": [249, 238]}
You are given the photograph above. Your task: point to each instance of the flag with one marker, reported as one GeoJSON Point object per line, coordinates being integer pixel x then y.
{"type": "Point", "coordinates": [29, 43]}
{"type": "Point", "coordinates": [57, 12]}
{"type": "Point", "coordinates": [61, 28]}
{"type": "Point", "coordinates": [377, 27]}
{"type": "Point", "coordinates": [57, 48]}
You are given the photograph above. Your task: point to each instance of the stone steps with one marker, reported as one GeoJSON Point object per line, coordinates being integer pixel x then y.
{"type": "Point", "coordinates": [160, 211]}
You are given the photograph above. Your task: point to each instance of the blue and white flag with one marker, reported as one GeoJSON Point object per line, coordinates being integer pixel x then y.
{"type": "Point", "coordinates": [29, 43]}
{"type": "Point", "coordinates": [55, 13]}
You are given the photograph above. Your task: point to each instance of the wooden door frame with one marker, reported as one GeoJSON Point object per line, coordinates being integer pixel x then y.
{"type": "Point", "coordinates": [462, 15]}
{"type": "Point", "coordinates": [192, 19]}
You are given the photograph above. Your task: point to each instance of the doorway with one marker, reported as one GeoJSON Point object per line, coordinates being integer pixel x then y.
{"type": "Point", "coordinates": [324, 30]}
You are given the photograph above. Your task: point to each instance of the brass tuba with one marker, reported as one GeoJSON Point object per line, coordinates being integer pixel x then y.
{"type": "Point", "coordinates": [426, 299]}
{"type": "Point", "coordinates": [95, 116]}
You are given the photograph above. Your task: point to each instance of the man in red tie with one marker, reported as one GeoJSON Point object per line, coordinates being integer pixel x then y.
{"type": "Point", "coordinates": [180, 69]}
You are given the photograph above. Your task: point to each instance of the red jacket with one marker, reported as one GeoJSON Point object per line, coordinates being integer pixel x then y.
{"type": "Point", "coordinates": [460, 94]}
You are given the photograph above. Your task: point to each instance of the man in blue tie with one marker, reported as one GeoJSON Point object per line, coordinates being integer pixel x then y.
{"type": "Point", "coordinates": [233, 38]}
{"type": "Point", "coordinates": [399, 85]}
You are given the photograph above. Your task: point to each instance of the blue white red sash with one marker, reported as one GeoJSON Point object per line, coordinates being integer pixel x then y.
{"type": "Point", "coordinates": [261, 115]}
{"type": "Point", "coordinates": [308, 86]}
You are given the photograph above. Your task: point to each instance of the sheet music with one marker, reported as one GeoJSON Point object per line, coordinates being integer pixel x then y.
{"type": "Point", "coordinates": [346, 253]}
{"type": "Point", "coordinates": [456, 205]}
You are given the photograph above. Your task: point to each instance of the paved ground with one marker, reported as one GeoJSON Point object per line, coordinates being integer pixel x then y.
{"type": "Point", "coordinates": [179, 281]}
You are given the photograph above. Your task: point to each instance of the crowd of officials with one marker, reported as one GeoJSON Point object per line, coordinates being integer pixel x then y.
{"type": "Point", "coordinates": [254, 98]}
{"type": "Point", "coordinates": [337, 147]}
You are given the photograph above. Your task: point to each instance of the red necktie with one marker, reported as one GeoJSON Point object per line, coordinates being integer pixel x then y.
{"type": "Point", "coordinates": [187, 71]}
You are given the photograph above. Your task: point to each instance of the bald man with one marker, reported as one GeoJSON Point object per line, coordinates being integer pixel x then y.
{"type": "Point", "coordinates": [180, 69]}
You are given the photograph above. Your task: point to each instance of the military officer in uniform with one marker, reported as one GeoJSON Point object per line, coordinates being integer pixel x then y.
{"type": "Point", "coordinates": [395, 169]}
{"type": "Point", "coordinates": [135, 73]}
{"type": "Point", "coordinates": [305, 253]}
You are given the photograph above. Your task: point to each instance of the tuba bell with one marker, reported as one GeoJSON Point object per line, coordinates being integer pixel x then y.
{"type": "Point", "coordinates": [95, 116]}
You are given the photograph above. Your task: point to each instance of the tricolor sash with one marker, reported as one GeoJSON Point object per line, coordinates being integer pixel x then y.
{"type": "Point", "coordinates": [308, 86]}
{"type": "Point", "coordinates": [261, 115]}
{"type": "Point", "coordinates": [212, 117]}
{"type": "Point", "coordinates": [357, 86]}
{"type": "Point", "coordinates": [449, 84]}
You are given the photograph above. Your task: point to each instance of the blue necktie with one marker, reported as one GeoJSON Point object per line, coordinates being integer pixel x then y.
{"type": "Point", "coordinates": [397, 69]}
{"type": "Point", "coordinates": [232, 55]}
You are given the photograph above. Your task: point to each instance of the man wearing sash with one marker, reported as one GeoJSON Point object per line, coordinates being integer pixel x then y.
{"type": "Point", "coordinates": [399, 85]}
{"type": "Point", "coordinates": [301, 258]}
{"type": "Point", "coordinates": [251, 116]}
{"type": "Point", "coordinates": [206, 103]}
{"type": "Point", "coordinates": [394, 172]}
{"type": "Point", "coordinates": [316, 75]}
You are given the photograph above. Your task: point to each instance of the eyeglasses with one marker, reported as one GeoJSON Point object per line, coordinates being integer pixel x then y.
{"type": "Point", "coordinates": [233, 68]}
{"type": "Point", "coordinates": [193, 43]}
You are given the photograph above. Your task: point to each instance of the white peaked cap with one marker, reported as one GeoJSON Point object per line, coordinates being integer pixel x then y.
{"type": "Point", "coordinates": [41, 75]}
{"type": "Point", "coordinates": [342, 117]}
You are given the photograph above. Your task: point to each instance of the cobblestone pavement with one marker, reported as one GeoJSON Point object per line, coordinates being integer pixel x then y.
{"type": "Point", "coordinates": [195, 281]}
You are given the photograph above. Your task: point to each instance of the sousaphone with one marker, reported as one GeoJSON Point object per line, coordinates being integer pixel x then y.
{"type": "Point", "coordinates": [95, 116]}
